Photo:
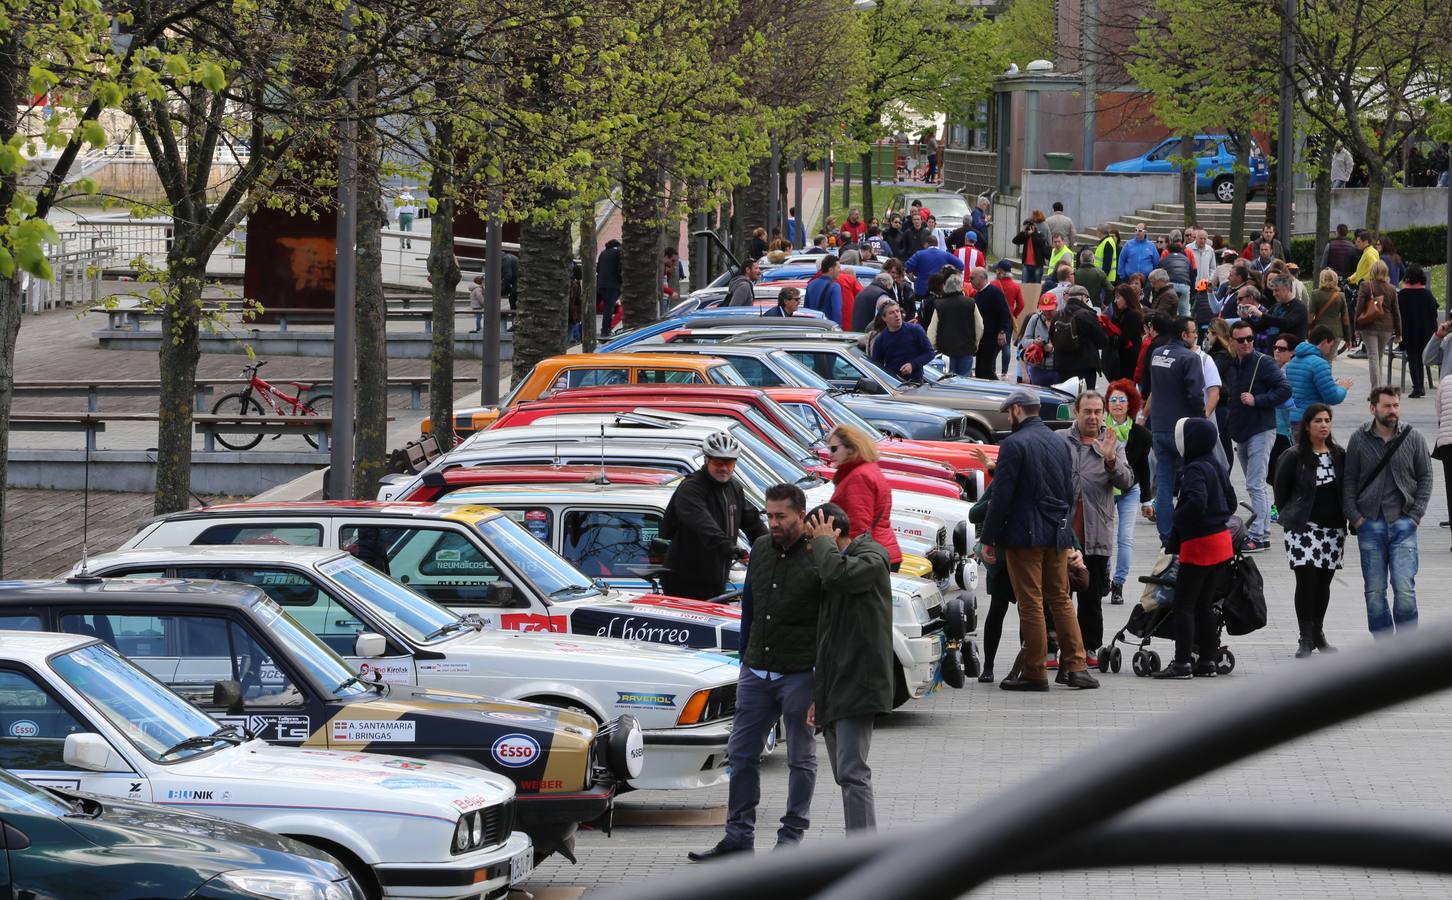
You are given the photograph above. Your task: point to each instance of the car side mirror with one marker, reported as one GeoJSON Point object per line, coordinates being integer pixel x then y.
{"type": "Point", "coordinates": [227, 695]}
{"type": "Point", "coordinates": [368, 645]}
{"type": "Point", "coordinates": [86, 750]}
{"type": "Point", "coordinates": [867, 386]}
{"type": "Point", "coordinates": [500, 594]}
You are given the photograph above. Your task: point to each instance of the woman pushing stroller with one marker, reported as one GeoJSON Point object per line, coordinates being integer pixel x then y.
{"type": "Point", "coordinates": [1201, 536]}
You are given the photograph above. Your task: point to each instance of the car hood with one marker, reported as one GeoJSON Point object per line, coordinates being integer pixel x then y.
{"type": "Point", "coordinates": [620, 615]}
{"type": "Point", "coordinates": [583, 650]}
{"type": "Point", "coordinates": [256, 773]}
{"type": "Point", "coordinates": [219, 845]}
{"type": "Point", "coordinates": [405, 701]}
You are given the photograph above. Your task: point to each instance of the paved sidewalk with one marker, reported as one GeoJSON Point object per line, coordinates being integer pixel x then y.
{"type": "Point", "coordinates": [956, 749]}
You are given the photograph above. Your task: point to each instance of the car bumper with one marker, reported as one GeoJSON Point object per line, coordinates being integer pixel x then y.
{"type": "Point", "coordinates": [486, 873]}
{"type": "Point", "coordinates": [685, 758]}
{"type": "Point", "coordinates": [919, 658]}
{"type": "Point", "coordinates": [551, 820]}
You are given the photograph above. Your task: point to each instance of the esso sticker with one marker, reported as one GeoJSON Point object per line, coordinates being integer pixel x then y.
{"type": "Point", "coordinates": [24, 728]}
{"type": "Point", "coordinates": [516, 750]}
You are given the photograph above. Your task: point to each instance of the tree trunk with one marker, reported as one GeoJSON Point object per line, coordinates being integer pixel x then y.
{"type": "Point", "coordinates": [1375, 184]}
{"type": "Point", "coordinates": [1272, 184]}
{"type": "Point", "coordinates": [443, 279]}
{"type": "Point", "coordinates": [370, 439]}
{"type": "Point", "coordinates": [1323, 209]}
{"type": "Point", "coordinates": [866, 160]}
{"type": "Point", "coordinates": [1188, 173]}
{"type": "Point", "coordinates": [11, 312]}
{"type": "Point", "coordinates": [544, 290]}
{"type": "Point", "coordinates": [753, 206]}
{"type": "Point", "coordinates": [640, 213]}
{"type": "Point", "coordinates": [589, 249]}
{"type": "Point", "coordinates": [1242, 190]}
{"type": "Point", "coordinates": [846, 190]}
{"type": "Point", "coordinates": [181, 349]}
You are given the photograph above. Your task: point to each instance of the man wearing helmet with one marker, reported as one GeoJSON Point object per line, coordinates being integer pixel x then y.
{"type": "Point", "coordinates": [706, 511]}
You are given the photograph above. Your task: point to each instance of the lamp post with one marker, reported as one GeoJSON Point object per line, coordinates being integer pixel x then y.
{"type": "Point", "coordinates": [493, 281]}
{"type": "Point", "coordinates": [345, 289]}
{"type": "Point", "coordinates": [1286, 137]}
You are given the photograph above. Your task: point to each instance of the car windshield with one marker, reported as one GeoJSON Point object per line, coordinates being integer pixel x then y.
{"type": "Point", "coordinates": [143, 709]}
{"type": "Point", "coordinates": [946, 208]}
{"type": "Point", "coordinates": [307, 651]}
{"type": "Point", "coordinates": [790, 424]}
{"type": "Point", "coordinates": [418, 617]}
{"type": "Point", "coordinates": [786, 442]}
{"type": "Point", "coordinates": [842, 414]}
{"type": "Point", "coordinates": [19, 796]}
{"type": "Point", "coordinates": [727, 374]}
{"type": "Point", "coordinates": [782, 468]}
{"type": "Point", "coordinates": [551, 574]}
{"type": "Point", "coordinates": [799, 373]}
{"type": "Point", "coordinates": [861, 361]}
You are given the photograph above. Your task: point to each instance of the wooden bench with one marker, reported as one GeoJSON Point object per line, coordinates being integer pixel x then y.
{"type": "Point", "coordinates": [129, 317]}
{"type": "Point", "coordinates": [208, 424]}
{"type": "Point", "coordinates": [92, 390]}
{"type": "Point", "coordinates": [90, 424]}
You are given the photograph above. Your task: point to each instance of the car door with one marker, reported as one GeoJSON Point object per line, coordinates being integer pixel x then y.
{"type": "Point", "coordinates": [1158, 159]}
{"type": "Point", "coordinates": [332, 619]}
{"type": "Point", "coordinates": [834, 367]}
{"type": "Point", "coordinates": [610, 544]}
{"type": "Point", "coordinates": [34, 722]}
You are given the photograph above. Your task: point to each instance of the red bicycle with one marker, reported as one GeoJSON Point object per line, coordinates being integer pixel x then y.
{"type": "Point", "coordinates": [243, 403]}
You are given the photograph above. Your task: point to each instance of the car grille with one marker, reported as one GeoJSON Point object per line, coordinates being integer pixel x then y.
{"type": "Point", "coordinates": [721, 704]}
{"type": "Point", "coordinates": [953, 429]}
{"type": "Point", "coordinates": [498, 823]}
{"type": "Point", "coordinates": [935, 617]}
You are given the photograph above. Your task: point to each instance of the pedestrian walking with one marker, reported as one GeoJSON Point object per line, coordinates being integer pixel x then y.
{"type": "Point", "coordinates": [1200, 535]}
{"type": "Point", "coordinates": [982, 220]}
{"type": "Point", "coordinates": [996, 580]}
{"type": "Point", "coordinates": [1173, 388]}
{"type": "Point", "coordinates": [1395, 269]}
{"type": "Point", "coordinates": [609, 281]}
{"type": "Point", "coordinates": [1029, 522]}
{"type": "Point", "coordinates": [1418, 311]}
{"type": "Point", "coordinates": [992, 310]}
{"type": "Point", "coordinates": [1309, 374]}
{"type": "Point", "coordinates": [1139, 255]}
{"type": "Point", "coordinates": [855, 663]}
{"type": "Point", "coordinates": [1013, 293]}
{"type": "Point", "coordinates": [1368, 255]}
{"type": "Point", "coordinates": [1179, 265]}
{"type": "Point", "coordinates": [1033, 252]}
{"type": "Point", "coordinates": [407, 212]}
{"type": "Point", "coordinates": [1060, 224]}
{"type": "Point", "coordinates": [1089, 276]}
{"type": "Point", "coordinates": [864, 308]}
{"type": "Point", "coordinates": [1101, 468]}
{"type": "Point", "coordinates": [1122, 402]}
{"type": "Point", "coordinates": [476, 303]}
{"type": "Point", "coordinates": [860, 488]}
{"type": "Point", "coordinates": [1328, 306]}
{"type": "Point", "coordinates": [1106, 252]}
{"type": "Point", "coordinates": [1378, 318]}
{"type": "Point", "coordinates": [1163, 297]}
{"type": "Point", "coordinates": [1288, 314]}
{"type": "Point", "coordinates": [954, 330]}
{"type": "Point", "coordinates": [1078, 338]}
{"type": "Point", "coordinates": [902, 347]}
{"type": "Point", "coordinates": [1036, 351]}
{"type": "Point", "coordinates": [1127, 316]}
{"type": "Point", "coordinates": [701, 521]}
{"type": "Point", "coordinates": [742, 289]}
{"type": "Point", "coordinates": [779, 650]}
{"type": "Point", "coordinates": [823, 293]}
{"type": "Point", "coordinates": [1308, 489]}
{"type": "Point", "coordinates": [1341, 253]}
{"type": "Point", "coordinates": [1255, 388]}
{"type": "Point", "coordinates": [1282, 352]}
{"type": "Point", "coordinates": [1385, 494]}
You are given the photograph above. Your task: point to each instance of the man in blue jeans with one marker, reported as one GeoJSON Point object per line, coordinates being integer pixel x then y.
{"type": "Point", "coordinates": [1384, 495]}
{"type": "Point", "coordinates": [1173, 389]}
{"type": "Point", "coordinates": [1254, 388]}
{"type": "Point", "coordinates": [779, 650]}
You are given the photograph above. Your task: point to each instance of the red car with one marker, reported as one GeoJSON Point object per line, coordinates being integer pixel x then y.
{"type": "Point", "coordinates": [939, 479]}
{"type": "Point", "coordinates": [458, 478]}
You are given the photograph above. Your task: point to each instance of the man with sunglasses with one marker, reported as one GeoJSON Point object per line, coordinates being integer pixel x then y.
{"type": "Point", "coordinates": [1254, 388]}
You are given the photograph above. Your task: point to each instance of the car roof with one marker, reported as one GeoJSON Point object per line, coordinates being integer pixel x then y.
{"type": "Point", "coordinates": [138, 590]}
{"type": "Point", "coordinates": [220, 553]}
{"type": "Point", "coordinates": [728, 350]}
{"type": "Point", "coordinates": [35, 646]}
{"type": "Point", "coordinates": [474, 456]}
{"type": "Point", "coordinates": [314, 507]}
{"type": "Point", "coordinates": [700, 393]}
{"type": "Point", "coordinates": [623, 493]}
{"type": "Point", "coordinates": [620, 358]}
{"type": "Point", "coordinates": [574, 473]}
{"type": "Point", "coordinates": [587, 426]}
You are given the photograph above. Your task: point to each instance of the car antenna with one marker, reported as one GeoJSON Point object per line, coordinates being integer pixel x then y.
{"type": "Point", "coordinates": [602, 478]}
{"type": "Point", "coordinates": [84, 576]}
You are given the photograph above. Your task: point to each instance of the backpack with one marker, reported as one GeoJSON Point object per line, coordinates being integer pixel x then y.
{"type": "Point", "coordinates": [1064, 335]}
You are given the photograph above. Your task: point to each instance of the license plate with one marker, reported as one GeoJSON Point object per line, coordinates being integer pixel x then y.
{"type": "Point", "coordinates": [521, 867]}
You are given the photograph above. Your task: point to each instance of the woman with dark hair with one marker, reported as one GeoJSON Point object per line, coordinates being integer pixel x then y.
{"type": "Point", "coordinates": [1033, 252]}
{"type": "Point", "coordinates": [1395, 268]}
{"type": "Point", "coordinates": [1128, 316]}
{"type": "Point", "coordinates": [756, 245]}
{"type": "Point", "coordinates": [1308, 494]}
{"type": "Point", "coordinates": [1419, 319]}
{"type": "Point", "coordinates": [1283, 348]}
{"type": "Point", "coordinates": [1122, 402]}
{"type": "Point", "coordinates": [929, 306]}
{"type": "Point", "coordinates": [892, 234]}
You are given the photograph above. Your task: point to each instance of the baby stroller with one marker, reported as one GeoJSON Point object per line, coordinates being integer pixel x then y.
{"type": "Point", "coordinates": [1239, 610]}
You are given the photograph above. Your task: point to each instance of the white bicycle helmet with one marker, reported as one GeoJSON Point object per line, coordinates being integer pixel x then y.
{"type": "Point", "coordinates": [722, 446]}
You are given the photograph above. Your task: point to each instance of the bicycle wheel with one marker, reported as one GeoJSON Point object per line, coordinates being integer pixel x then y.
{"type": "Point", "coordinates": [238, 405]}
{"type": "Point", "coordinates": [319, 405]}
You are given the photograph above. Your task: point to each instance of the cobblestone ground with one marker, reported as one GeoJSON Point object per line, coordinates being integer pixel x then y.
{"type": "Point", "coordinates": [958, 750]}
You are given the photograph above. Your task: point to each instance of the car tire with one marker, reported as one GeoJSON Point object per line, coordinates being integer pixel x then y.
{"type": "Point", "coordinates": [900, 693]}
{"type": "Point", "coordinates": [955, 619]}
{"type": "Point", "coordinates": [362, 873]}
{"type": "Point", "coordinates": [972, 431]}
{"type": "Point", "coordinates": [953, 670]}
{"type": "Point", "coordinates": [1224, 189]}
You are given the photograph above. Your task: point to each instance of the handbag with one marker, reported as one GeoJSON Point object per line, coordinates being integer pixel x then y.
{"type": "Point", "coordinates": [1374, 310]}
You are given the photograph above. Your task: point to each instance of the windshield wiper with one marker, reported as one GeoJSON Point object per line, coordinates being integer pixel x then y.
{"type": "Point", "coordinates": [571, 589]}
{"type": "Point", "coordinates": [228, 733]}
{"type": "Point", "coordinates": [358, 679]}
{"type": "Point", "coordinates": [448, 627]}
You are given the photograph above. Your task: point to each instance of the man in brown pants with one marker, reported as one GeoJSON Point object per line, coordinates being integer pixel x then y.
{"type": "Point", "coordinates": [1029, 522]}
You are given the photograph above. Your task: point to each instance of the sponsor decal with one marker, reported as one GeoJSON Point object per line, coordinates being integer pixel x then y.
{"type": "Point", "coordinates": [272, 728]}
{"type": "Point", "coordinates": [386, 671]}
{"type": "Point", "coordinates": [189, 795]}
{"type": "Point", "coordinates": [24, 728]}
{"type": "Point", "coordinates": [133, 789]}
{"type": "Point", "coordinates": [667, 629]}
{"type": "Point", "coordinates": [630, 628]}
{"type": "Point", "coordinates": [541, 785]}
{"type": "Point", "coordinates": [60, 784]}
{"type": "Point", "coordinates": [270, 674]}
{"type": "Point", "coordinates": [537, 523]}
{"type": "Point", "coordinates": [513, 717]}
{"type": "Point", "coordinates": [645, 699]}
{"type": "Point", "coordinates": [533, 622]}
{"type": "Point", "coordinates": [401, 783]}
{"type": "Point", "coordinates": [403, 764]}
{"type": "Point", "coordinates": [515, 750]}
{"type": "Point", "coordinates": [444, 667]}
{"type": "Point", "coordinates": [470, 803]}
{"type": "Point", "coordinates": [351, 730]}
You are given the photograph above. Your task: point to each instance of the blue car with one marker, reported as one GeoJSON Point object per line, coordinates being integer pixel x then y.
{"type": "Point", "coordinates": [1215, 164]}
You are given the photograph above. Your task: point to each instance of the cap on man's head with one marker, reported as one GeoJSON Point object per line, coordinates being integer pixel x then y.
{"type": "Point", "coordinates": [970, 236]}
{"type": "Point", "coordinates": [1003, 265]}
{"type": "Point", "coordinates": [1048, 302]}
{"type": "Point", "coordinates": [1020, 396]}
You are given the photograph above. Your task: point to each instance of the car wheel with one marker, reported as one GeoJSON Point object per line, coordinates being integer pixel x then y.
{"type": "Point", "coordinates": [955, 620]}
{"type": "Point", "coordinates": [1224, 189]}
{"type": "Point", "coordinates": [953, 669]}
{"type": "Point", "coordinates": [900, 693]}
{"type": "Point", "coordinates": [972, 431]}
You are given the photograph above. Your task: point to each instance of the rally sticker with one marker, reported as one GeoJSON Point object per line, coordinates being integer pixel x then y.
{"type": "Point", "coordinates": [516, 750]}
{"type": "Point", "coordinates": [24, 728]}
{"type": "Point", "coordinates": [403, 764]}
{"type": "Point", "coordinates": [444, 668]}
{"type": "Point", "coordinates": [647, 700]}
{"type": "Point", "coordinates": [471, 802]}
{"type": "Point", "coordinates": [392, 732]}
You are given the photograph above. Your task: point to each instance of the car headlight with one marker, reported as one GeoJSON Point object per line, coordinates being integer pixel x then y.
{"type": "Point", "coordinates": [287, 885]}
{"type": "Point", "coordinates": [461, 835]}
{"type": "Point", "coordinates": [483, 827]}
{"type": "Point", "coordinates": [908, 609]}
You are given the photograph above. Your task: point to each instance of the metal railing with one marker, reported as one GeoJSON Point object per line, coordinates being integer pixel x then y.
{"type": "Point", "coordinates": [1075, 814]}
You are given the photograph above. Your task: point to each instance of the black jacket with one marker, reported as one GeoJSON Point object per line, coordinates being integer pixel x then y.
{"type": "Point", "coordinates": [957, 335]}
{"type": "Point", "coordinates": [1341, 257]}
{"type": "Point", "coordinates": [1284, 318]}
{"type": "Point", "coordinates": [855, 664]}
{"type": "Point", "coordinates": [1206, 498]}
{"type": "Point", "coordinates": [786, 594]}
{"type": "Point", "coordinates": [701, 522]}
{"type": "Point", "coordinates": [1295, 487]}
{"type": "Point", "coordinates": [1031, 485]}
{"type": "Point", "coordinates": [1092, 341]}
{"type": "Point", "coordinates": [1041, 247]}
{"type": "Point", "coordinates": [608, 274]}
{"type": "Point", "coordinates": [993, 309]}
{"type": "Point", "coordinates": [864, 307]}
{"type": "Point", "coordinates": [1137, 451]}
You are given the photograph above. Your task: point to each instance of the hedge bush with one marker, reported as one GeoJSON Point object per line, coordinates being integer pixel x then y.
{"type": "Point", "coordinates": [1423, 244]}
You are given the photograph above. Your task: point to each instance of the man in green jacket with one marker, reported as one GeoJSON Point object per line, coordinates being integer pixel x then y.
{"type": "Point", "coordinates": [854, 654]}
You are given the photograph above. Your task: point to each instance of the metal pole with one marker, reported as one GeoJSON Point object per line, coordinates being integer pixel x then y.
{"type": "Point", "coordinates": [700, 253]}
{"type": "Point", "coordinates": [826, 195]}
{"type": "Point", "coordinates": [493, 282]}
{"type": "Point", "coordinates": [345, 289]}
{"type": "Point", "coordinates": [1286, 137]}
{"type": "Point", "coordinates": [1447, 283]}
{"type": "Point", "coordinates": [1088, 62]}
{"type": "Point", "coordinates": [797, 167]}
{"type": "Point", "coordinates": [773, 205]}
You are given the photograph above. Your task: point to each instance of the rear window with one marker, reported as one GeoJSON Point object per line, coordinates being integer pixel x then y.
{"type": "Point", "coordinates": [295, 535]}
{"type": "Point", "coordinates": [667, 376]}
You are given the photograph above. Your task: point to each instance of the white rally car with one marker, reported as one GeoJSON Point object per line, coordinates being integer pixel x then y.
{"type": "Point", "coordinates": [683, 699]}
{"type": "Point", "coordinates": [76, 715]}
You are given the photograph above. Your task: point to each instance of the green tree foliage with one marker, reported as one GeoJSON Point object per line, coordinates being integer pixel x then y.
{"type": "Point", "coordinates": [1023, 31]}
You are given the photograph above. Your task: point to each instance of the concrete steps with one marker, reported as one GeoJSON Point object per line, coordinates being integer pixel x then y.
{"type": "Point", "coordinates": [1162, 218]}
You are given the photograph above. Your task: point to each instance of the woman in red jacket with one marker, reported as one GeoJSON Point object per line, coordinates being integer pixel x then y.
{"type": "Point", "coordinates": [861, 490]}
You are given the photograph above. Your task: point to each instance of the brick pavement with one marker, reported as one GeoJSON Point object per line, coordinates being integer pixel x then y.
{"type": "Point", "coordinates": [956, 749]}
